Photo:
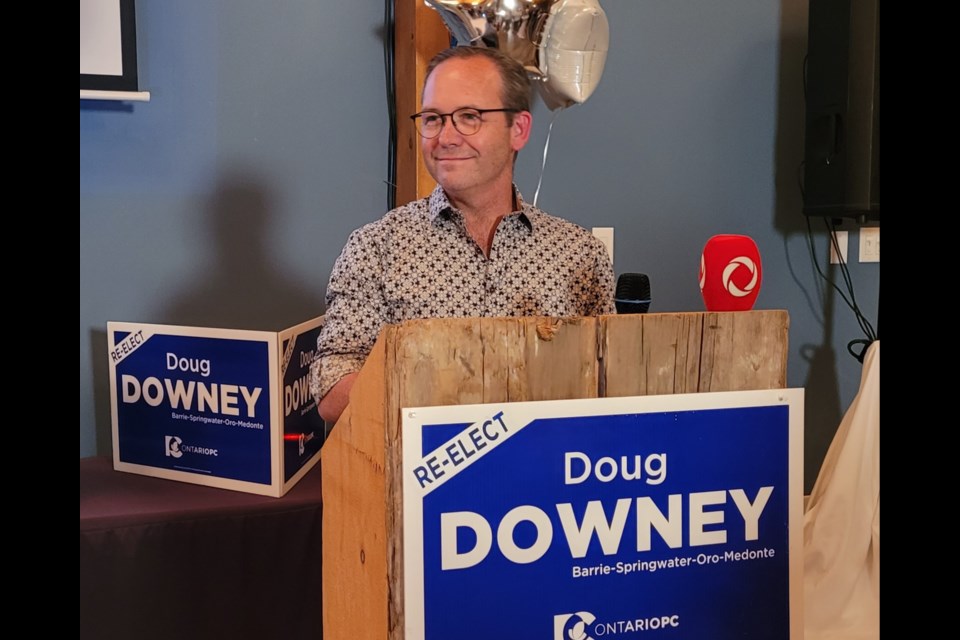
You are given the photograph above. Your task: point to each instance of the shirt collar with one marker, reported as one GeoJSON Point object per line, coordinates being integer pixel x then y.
{"type": "Point", "coordinates": [440, 207]}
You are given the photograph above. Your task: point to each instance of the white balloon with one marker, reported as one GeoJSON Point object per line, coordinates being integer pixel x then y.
{"type": "Point", "coordinates": [573, 52]}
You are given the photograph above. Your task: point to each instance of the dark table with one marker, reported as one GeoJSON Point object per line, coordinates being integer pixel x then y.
{"type": "Point", "coordinates": [165, 559]}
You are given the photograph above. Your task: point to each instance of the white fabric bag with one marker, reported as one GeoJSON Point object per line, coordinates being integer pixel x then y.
{"type": "Point", "coordinates": [841, 526]}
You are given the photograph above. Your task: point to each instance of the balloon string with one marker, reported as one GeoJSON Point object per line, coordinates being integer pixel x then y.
{"type": "Point", "coordinates": [546, 148]}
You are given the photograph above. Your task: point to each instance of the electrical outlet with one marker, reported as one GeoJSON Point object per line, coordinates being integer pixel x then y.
{"type": "Point", "coordinates": [842, 237]}
{"type": "Point", "coordinates": [605, 234]}
{"type": "Point", "coordinates": [870, 244]}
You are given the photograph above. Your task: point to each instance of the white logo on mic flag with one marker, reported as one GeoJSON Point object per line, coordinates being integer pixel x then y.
{"type": "Point", "coordinates": [703, 272]}
{"type": "Point", "coordinates": [728, 271]}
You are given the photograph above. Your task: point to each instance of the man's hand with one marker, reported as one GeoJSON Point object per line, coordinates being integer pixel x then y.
{"type": "Point", "coordinates": [333, 404]}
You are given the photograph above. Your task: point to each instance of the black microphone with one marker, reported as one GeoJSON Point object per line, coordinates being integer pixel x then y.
{"type": "Point", "coordinates": [633, 293]}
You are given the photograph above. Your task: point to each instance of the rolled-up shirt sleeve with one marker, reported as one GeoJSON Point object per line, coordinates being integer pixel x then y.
{"type": "Point", "coordinates": [355, 312]}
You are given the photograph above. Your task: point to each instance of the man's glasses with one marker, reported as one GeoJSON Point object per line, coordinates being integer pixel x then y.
{"type": "Point", "coordinates": [466, 120]}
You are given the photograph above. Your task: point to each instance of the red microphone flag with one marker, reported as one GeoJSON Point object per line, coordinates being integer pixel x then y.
{"type": "Point", "coordinates": [730, 273]}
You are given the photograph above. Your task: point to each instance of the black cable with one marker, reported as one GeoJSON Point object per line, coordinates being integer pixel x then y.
{"type": "Point", "coordinates": [389, 39]}
{"type": "Point", "coordinates": [865, 325]}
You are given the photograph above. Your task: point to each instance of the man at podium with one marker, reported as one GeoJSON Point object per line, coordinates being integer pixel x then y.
{"type": "Point", "coordinates": [473, 247]}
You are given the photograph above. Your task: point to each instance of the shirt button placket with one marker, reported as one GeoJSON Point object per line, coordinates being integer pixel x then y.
{"type": "Point", "coordinates": [489, 287]}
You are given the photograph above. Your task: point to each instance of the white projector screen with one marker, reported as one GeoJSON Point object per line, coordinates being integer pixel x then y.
{"type": "Point", "coordinates": [108, 45]}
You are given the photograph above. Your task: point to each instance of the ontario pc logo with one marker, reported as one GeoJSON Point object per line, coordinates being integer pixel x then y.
{"type": "Point", "coordinates": [579, 625]}
{"type": "Point", "coordinates": [174, 448]}
{"type": "Point", "coordinates": [573, 626]}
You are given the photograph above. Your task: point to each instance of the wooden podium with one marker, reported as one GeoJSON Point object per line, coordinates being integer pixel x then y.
{"type": "Point", "coordinates": [484, 360]}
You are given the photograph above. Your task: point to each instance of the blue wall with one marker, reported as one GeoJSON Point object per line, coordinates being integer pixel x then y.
{"type": "Point", "coordinates": [226, 199]}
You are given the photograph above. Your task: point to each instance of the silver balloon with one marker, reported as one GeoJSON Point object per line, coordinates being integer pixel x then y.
{"type": "Point", "coordinates": [561, 43]}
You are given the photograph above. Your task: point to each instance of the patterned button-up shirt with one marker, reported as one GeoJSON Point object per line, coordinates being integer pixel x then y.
{"type": "Point", "coordinates": [419, 261]}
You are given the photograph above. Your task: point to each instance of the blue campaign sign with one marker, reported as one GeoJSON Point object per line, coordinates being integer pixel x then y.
{"type": "Point", "coordinates": [672, 516]}
{"type": "Point", "coordinates": [193, 404]}
{"type": "Point", "coordinates": [302, 426]}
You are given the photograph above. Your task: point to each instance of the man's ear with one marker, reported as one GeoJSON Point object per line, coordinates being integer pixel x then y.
{"type": "Point", "coordinates": [520, 129]}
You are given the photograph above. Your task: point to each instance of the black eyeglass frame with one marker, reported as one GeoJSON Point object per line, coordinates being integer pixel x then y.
{"type": "Point", "coordinates": [418, 121]}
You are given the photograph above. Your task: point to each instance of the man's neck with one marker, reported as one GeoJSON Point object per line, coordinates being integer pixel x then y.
{"type": "Point", "coordinates": [490, 204]}
{"type": "Point", "coordinates": [482, 214]}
